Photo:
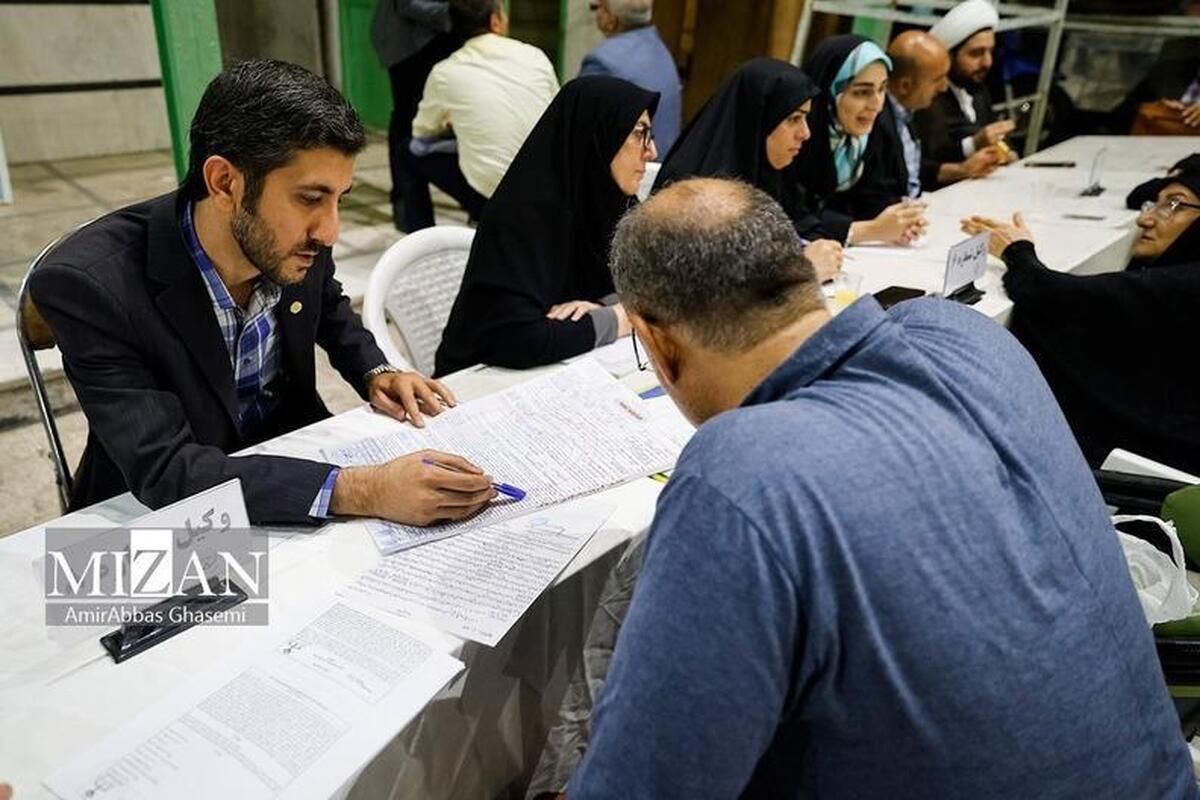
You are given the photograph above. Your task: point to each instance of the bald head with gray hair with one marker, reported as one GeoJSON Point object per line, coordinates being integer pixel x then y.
{"type": "Point", "coordinates": [716, 258]}
{"type": "Point", "coordinates": [632, 13]}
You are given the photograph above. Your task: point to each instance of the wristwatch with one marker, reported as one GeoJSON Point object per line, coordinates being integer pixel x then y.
{"type": "Point", "coordinates": [381, 369]}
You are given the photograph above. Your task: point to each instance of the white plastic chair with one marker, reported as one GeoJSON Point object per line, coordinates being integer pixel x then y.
{"type": "Point", "coordinates": [652, 168]}
{"type": "Point", "coordinates": [413, 287]}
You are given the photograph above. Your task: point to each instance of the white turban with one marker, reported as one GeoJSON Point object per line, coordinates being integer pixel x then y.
{"type": "Point", "coordinates": [964, 21]}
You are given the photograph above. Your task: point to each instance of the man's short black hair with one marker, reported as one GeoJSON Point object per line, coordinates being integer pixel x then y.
{"type": "Point", "coordinates": [259, 113]}
{"type": "Point", "coordinates": [472, 17]}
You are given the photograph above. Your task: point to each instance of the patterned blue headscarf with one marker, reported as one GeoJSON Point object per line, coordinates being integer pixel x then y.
{"type": "Point", "coordinates": [848, 150]}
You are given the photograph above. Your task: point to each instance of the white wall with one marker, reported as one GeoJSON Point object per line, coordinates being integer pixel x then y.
{"type": "Point", "coordinates": [79, 44]}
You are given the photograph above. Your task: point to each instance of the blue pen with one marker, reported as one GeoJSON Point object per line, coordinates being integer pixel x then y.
{"type": "Point", "coordinates": [503, 488]}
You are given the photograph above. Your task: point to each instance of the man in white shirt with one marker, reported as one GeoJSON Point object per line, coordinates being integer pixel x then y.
{"type": "Point", "coordinates": [478, 107]}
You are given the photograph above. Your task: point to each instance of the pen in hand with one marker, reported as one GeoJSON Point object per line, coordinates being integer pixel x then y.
{"type": "Point", "coordinates": [503, 488]}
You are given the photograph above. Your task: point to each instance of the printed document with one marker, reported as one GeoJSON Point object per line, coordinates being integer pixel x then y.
{"type": "Point", "coordinates": [298, 718]}
{"type": "Point", "coordinates": [477, 585]}
{"type": "Point", "coordinates": [564, 435]}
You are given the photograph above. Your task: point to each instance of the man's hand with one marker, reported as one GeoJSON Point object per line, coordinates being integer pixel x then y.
{"type": "Point", "coordinates": [1000, 234]}
{"type": "Point", "coordinates": [826, 256]}
{"type": "Point", "coordinates": [411, 491]}
{"type": "Point", "coordinates": [990, 134]}
{"type": "Point", "coordinates": [574, 310]}
{"type": "Point", "coordinates": [982, 162]}
{"type": "Point", "coordinates": [6, 792]}
{"type": "Point", "coordinates": [405, 395]}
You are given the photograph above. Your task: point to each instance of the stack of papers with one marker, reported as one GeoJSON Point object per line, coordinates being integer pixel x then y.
{"type": "Point", "coordinates": [299, 717]}
{"type": "Point", "coordinates": [568, 434]}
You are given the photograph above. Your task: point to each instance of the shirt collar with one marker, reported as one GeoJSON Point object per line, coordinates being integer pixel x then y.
{"type": "Point", "coordinates": [823, 351]}
{"type": "Point", "coordinates": [266, 293]}
{"type": "Point", "coordinates": [208, 270]}
{"type": "Point", "coordinates": [902, 113]}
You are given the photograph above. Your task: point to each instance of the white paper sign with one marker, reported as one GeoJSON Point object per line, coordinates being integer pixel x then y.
{"type": "Point", "coordinates": [965, 263]}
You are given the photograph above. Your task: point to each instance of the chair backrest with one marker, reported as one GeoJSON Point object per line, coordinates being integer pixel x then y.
{"type": "Point", "coordinates": [34, 334]}
{"type": "Point", "coordinates": [413, 286]}
{"type": "Point", "coordinates": [652, 168]}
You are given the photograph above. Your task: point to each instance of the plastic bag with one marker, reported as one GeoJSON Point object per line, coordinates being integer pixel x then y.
{"type": "Point", "coordinates": [1161, 581]}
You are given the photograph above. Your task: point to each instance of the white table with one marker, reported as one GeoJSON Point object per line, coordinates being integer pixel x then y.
{"type": "Point", "coordinates": [479, 735]}
{"type": "Point", "coordinates": [1049, 199]}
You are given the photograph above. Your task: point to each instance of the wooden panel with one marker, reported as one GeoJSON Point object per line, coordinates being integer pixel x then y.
{"type": "Point", "coordinates": [728, 32]}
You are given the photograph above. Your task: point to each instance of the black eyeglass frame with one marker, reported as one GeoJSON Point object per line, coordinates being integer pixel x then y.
{"type": "Point", "coordinates": [642, 365]}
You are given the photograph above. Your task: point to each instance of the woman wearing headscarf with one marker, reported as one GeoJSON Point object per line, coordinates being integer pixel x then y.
{"type": "Point", "coordinates": [752, 129]}
{"type": "Point", "coordinates": [1149, 190]}
{"type": "Point", "coordinates": [1118, 349]}
{"type": "Point", "coordinates": [537, 286]}
{"type": "Point", "coordinates": [851, 72]}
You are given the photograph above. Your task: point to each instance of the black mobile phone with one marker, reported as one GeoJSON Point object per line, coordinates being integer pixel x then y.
{"type": "Point", "coordinates": [896, 294]}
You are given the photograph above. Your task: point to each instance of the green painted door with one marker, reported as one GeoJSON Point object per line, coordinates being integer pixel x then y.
{"type": "Point", "coordinates": [364, 81]}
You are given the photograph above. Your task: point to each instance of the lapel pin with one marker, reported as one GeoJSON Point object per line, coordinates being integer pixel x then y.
{"type": "Point", "coordinates": [295, 307]}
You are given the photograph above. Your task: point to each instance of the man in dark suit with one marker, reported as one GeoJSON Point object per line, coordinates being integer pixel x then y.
{"type": "Point", "coordinates": [410, 37]}
{"type": "Point", "coordinates": [898, 164]}
{"type": "Point", "coordinates": [187, 323]}
{"type": "Point", "coordinates": [961, 122]}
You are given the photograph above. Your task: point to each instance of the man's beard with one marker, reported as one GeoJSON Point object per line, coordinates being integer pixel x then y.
{"type": "Point", "coordinates": [965, 79]}
{"type": "Point", "coordinates": [258, 245]}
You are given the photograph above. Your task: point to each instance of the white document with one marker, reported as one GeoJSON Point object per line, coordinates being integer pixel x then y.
{"type": "Point", "coordinates": [564, 435]}
{"type": "Point", "coordinates": [296, 719]}
{"type": "Point", "coordinates": [478, 585]}
{"type": "Point", "coordinates": [617, 357]}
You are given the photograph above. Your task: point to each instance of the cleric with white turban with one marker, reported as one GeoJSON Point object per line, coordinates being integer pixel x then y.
{"type": "Point", "coordinates": [961, 121]}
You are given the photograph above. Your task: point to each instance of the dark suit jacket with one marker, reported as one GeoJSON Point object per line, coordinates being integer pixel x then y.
{"type": "Point", "coordinates": [400, 28]}
{"type": "Point", "coordinates": [943, 125]}
{"type": "Point", "coordinates": [885, 174]}
{"type": "Point", "coordinates": [143, 350]}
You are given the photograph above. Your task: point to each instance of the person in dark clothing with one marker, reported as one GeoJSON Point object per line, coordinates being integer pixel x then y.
{"type": "Point", "coordinates": [1174, 79]}
{"type": "Point", "coordinates": [898, 164]}
{"type": "Point", "coordinates": [410, 37]}
{"type": "Point", "coordinates": [753, 128]}
{"type": "Point", "coordinates": [187, 323]}
{"type": "Point", "coordinates": [1117, 348]}
{"type": "Point", "coordinates": [961, 122]}
{"type": "Point", "coordinates": [1149, 190]}
{"type": "Point", "coordinates": [851, 73]}
{"type": "Point", "coordinates": [537, 287]}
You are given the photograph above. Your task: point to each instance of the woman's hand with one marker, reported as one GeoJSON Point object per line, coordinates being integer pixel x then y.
{"type": "Point", "coordinates": [901, 223]}
{"type": "Point", "coordinates": [1000, 234]}
{"type": "Point", "coordinates": [826, 257]}
{"type": "Point", "coordinates": [574, 310]}
{"type": "Point", "coordinates": [624, 326]}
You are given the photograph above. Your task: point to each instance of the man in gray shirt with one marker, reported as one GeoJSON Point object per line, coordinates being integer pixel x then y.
{"type": "Point", "coordinates": [881, 568]}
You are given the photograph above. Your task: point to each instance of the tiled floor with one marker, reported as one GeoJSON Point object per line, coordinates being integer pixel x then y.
{"type": "Point", "coordinates": [52, 198]}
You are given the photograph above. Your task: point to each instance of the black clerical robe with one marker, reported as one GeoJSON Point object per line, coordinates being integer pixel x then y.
{"type": "Point", "coordinates": [944, 124]}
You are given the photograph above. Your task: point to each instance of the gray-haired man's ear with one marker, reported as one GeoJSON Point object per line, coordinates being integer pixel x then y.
{"type": "Point", "coordinates": [662, 347]}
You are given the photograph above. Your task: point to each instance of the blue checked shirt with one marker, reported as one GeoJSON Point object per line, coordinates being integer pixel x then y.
{"type": "Point", "coordinates": [253, 343]}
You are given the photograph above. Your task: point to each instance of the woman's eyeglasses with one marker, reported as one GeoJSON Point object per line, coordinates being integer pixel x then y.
{"type": "Point", "coordinates": [644, 134]}
{"type": "Point", "coordinates": [1165, 211]}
